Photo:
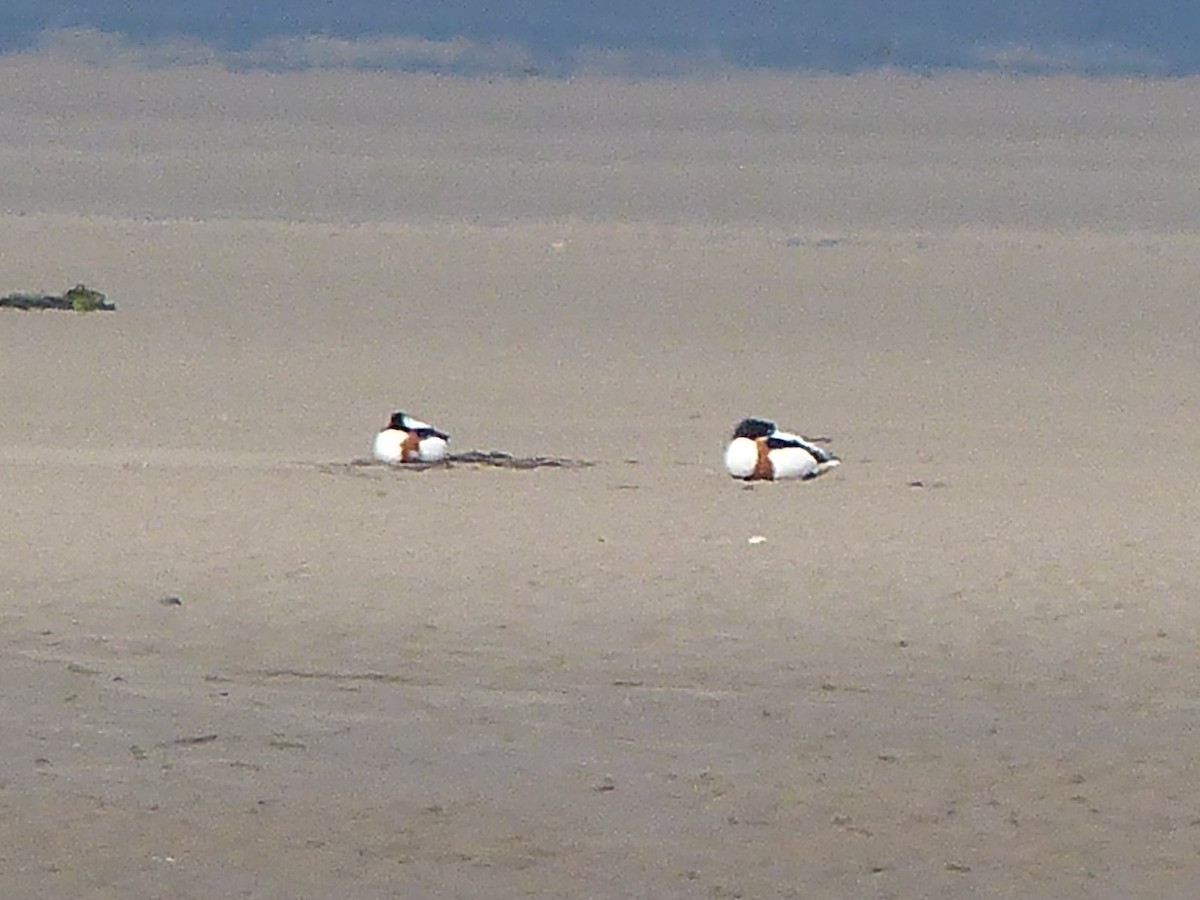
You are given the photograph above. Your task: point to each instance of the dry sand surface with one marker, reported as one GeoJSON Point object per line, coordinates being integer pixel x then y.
{"type": "Point", "coordinates": [587, 682]}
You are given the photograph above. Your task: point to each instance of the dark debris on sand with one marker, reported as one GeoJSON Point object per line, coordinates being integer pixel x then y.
{"type": "Point", "coordinates": [500, 460]}
{"type": "Point", "coordinates": [490, 459]}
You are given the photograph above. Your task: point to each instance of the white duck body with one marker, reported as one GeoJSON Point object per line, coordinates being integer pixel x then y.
{"type": "Point", "coordinates": [409, 440]}
{"type": "Point", "coordinates": [761, 452]}
{"type": "Point", "coordinates": [741, 457]}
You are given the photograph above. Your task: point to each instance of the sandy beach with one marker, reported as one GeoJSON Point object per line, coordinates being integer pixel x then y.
{"type": "Point", "coordinates": [962, 664]}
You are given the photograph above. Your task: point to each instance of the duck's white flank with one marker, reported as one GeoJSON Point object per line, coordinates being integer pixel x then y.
{"type": "Point", "coordinates": [796, 462]}
{"type": "Point", "coordinates": [432, 449]}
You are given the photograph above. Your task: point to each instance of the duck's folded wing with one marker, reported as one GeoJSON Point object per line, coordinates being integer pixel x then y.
{"type": "Point", "coordinates": [781, 439]}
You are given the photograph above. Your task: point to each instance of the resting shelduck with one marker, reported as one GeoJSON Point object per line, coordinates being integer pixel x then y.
{"type": "Point", "coordinates": [761, 452]}
{"type": "Point", "coordinates": [409, 440]}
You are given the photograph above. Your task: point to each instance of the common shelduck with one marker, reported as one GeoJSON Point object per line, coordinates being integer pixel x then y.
{"type": "Point", "coordinates": [409, 440]}
{"type": "Point", "coordinates": [761, 452]}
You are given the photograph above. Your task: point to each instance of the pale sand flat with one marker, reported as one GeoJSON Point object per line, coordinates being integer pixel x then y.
{"type": "Point", "coordinates": [590, 682]}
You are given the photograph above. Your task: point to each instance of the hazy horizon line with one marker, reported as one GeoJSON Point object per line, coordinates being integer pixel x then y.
{"type": "Point", "coordinates": [466, 56]}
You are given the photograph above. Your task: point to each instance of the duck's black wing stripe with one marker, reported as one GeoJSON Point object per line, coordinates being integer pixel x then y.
{"type": "Point", "coordinates": [820, 454]}
{"type": "Point", "coordinates": [774, 442]}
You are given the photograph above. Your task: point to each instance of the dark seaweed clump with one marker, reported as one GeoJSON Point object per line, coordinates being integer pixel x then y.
{"type": "Point", "coordinates": [80, 298]}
